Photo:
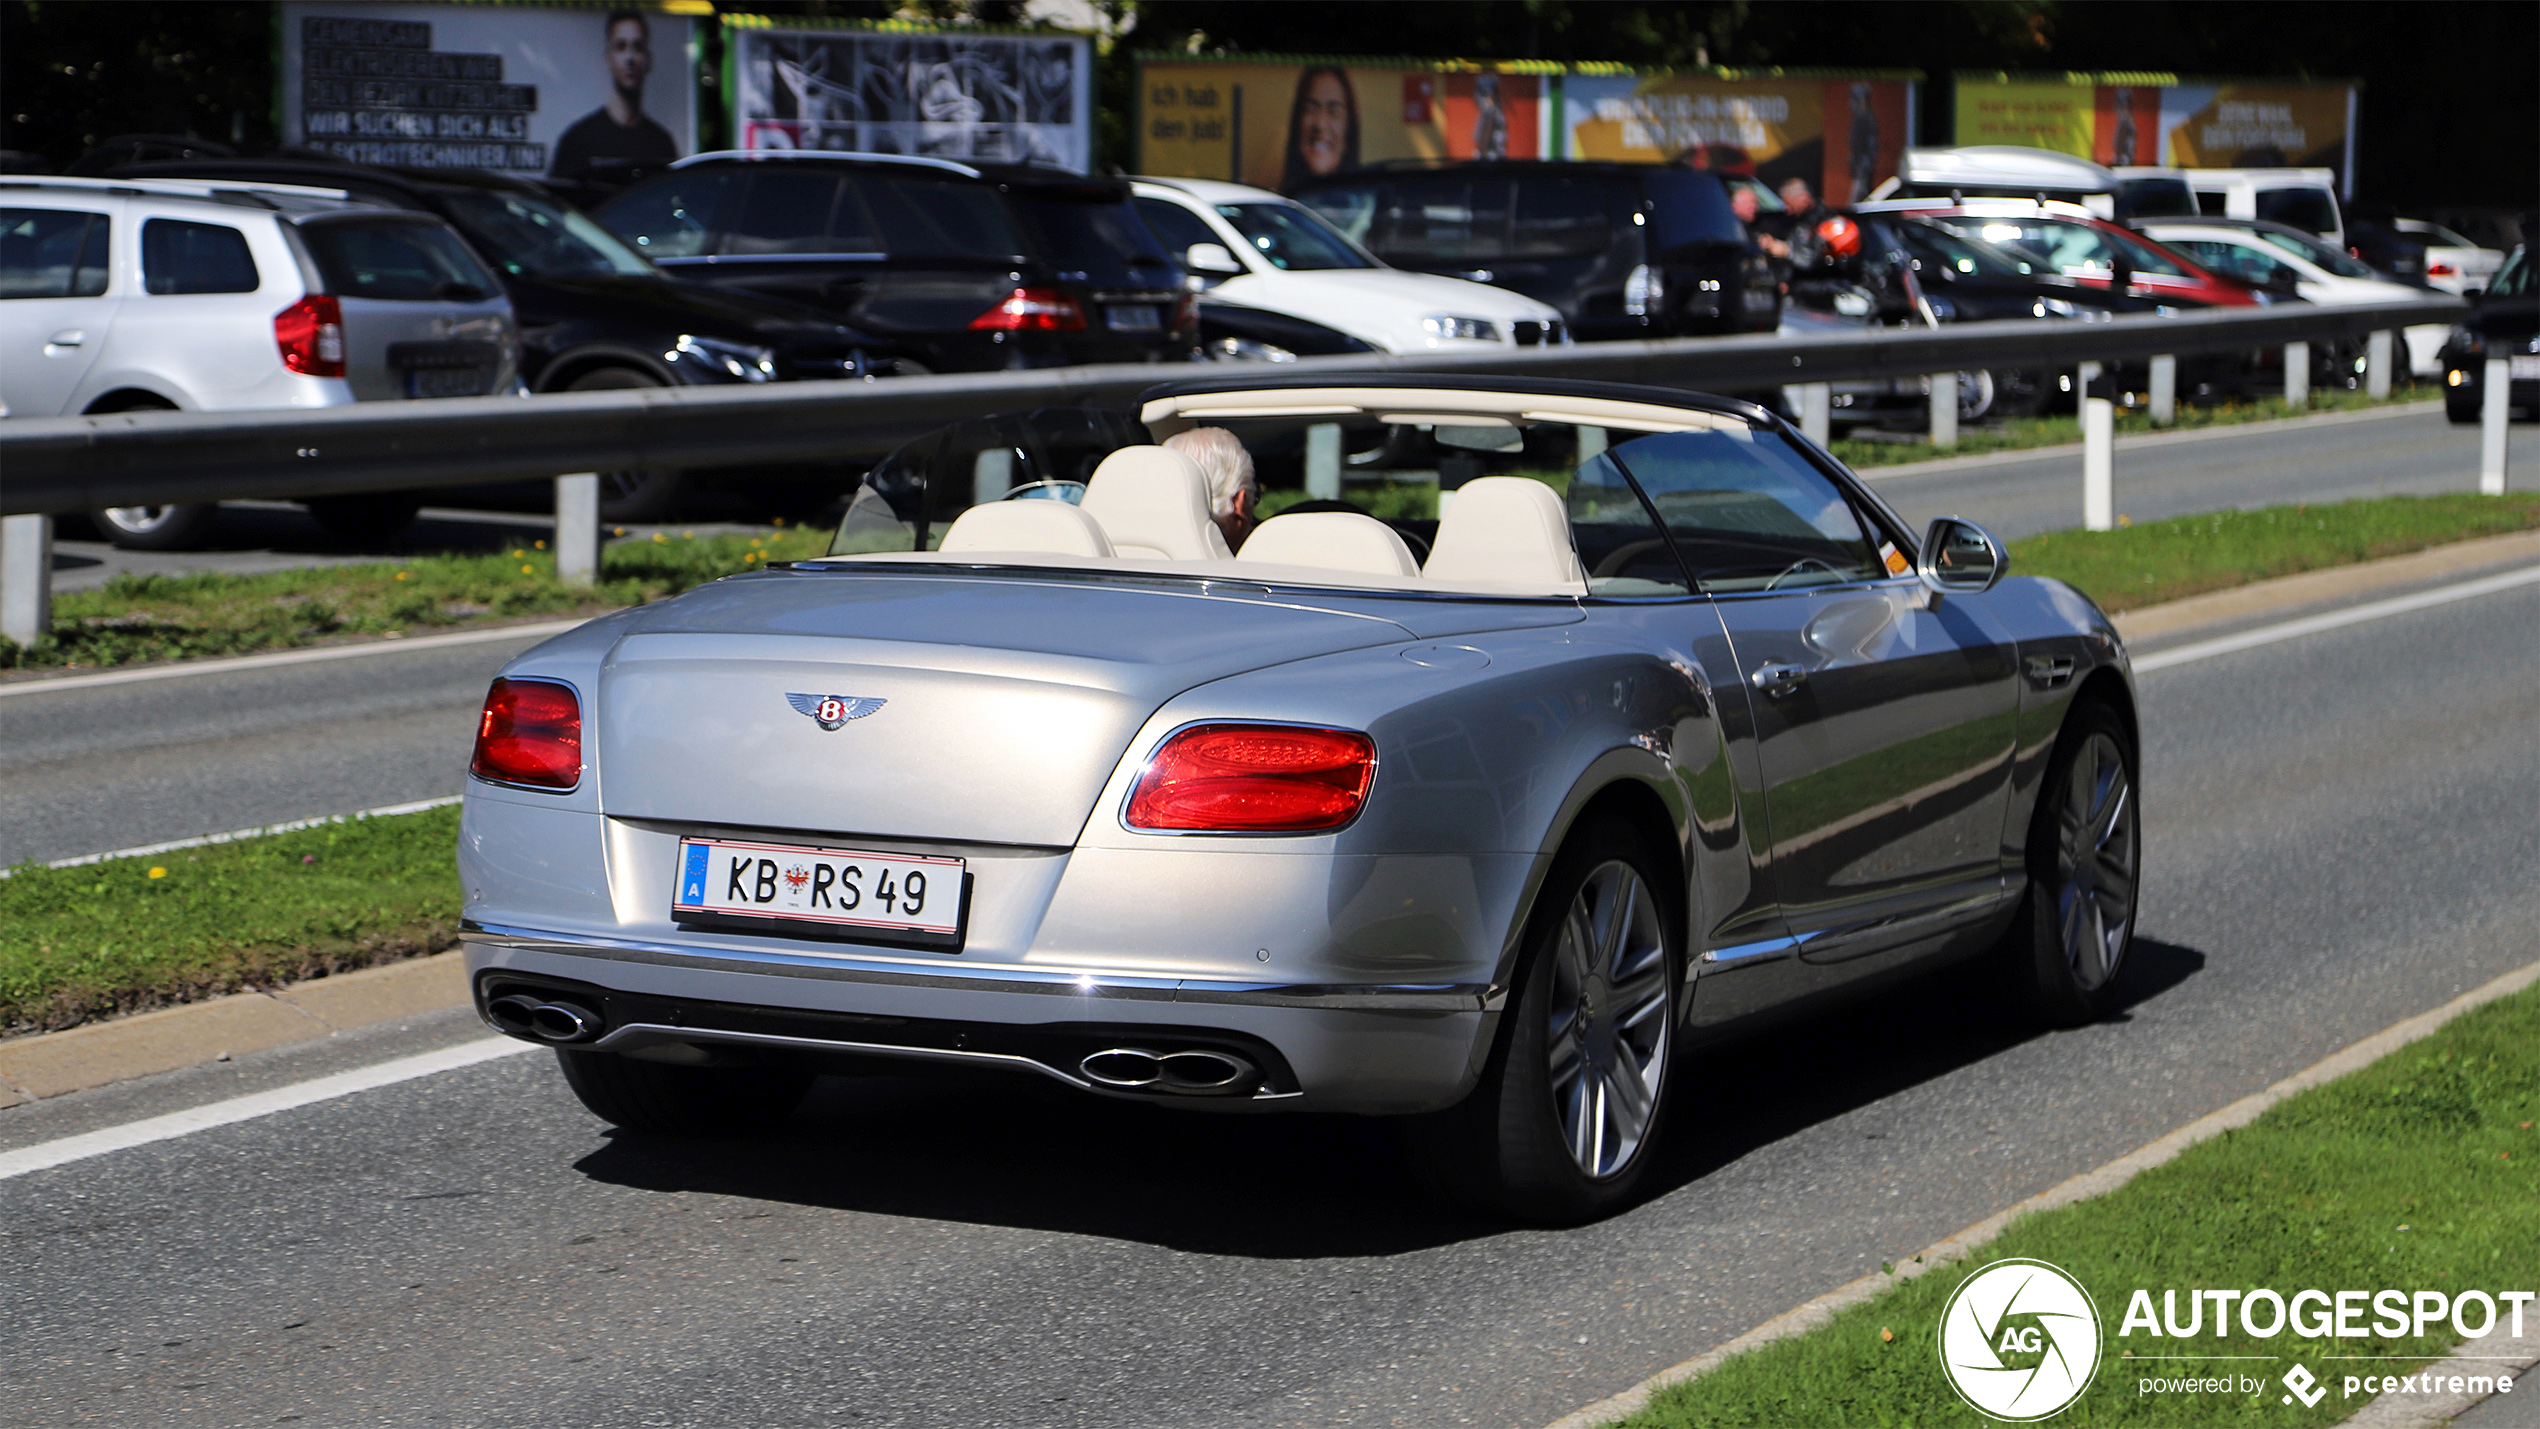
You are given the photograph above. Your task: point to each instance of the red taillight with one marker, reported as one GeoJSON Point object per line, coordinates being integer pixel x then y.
{"type": "Point", "coordinates": [2438, 270]}
{"type": "Point", "coordinates": [1186, 313]}
{"type": "Point", "coordinates": [1254, 778]}
{"type": "Point", "coordinates": [1032, 310]}
{"type": "Point", "coordinates": [310, 333]}
{"type": "Point", "coordinates": [530, 733]}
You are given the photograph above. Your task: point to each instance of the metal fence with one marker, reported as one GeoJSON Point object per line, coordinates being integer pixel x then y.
{"type": "Point", "coordinates": [61, 464]}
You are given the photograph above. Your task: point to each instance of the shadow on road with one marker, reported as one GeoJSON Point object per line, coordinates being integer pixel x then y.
{"type": "Point", "coordinates": [1011, 1151]}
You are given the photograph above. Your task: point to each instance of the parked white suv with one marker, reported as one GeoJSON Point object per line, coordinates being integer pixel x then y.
{"type": "Point", "coordinates": [128, 295]}
{"type": "Point", "coordinates": [1280, 282]}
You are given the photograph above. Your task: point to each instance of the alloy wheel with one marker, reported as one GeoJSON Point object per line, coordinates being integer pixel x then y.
{"type": "Point", "coordinates": [1607, 1035]}
{"type": "Point", "coordinates": [2095, 863]}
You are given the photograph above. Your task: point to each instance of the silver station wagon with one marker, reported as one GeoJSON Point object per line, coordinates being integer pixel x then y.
{"type": "Point", "coordinates": [1665, 724]}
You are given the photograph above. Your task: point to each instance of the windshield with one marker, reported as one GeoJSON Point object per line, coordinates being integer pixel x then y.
{"type": "Point", "coordinates": [2514, 279]}
{"type": "Point", "coordinates": [1292, 238]}
{"type": "Point", "coordinates": [1936, 248]}
{"type": "Point", "coordinates": [2318, 253]}
{"type": "Point", "coordinates": [527, 235]}
{"type": "Point", "coordinates": [2306, 208]}
{"type": "Point", "coordinates": [2069, 246]}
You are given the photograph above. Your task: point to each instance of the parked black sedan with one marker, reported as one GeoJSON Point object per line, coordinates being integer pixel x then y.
{"type": "Point", "coordinates": [2505, 322]}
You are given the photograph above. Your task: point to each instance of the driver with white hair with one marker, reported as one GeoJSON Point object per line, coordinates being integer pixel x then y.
{"type": "Point", "coordinates": [1234, 493]}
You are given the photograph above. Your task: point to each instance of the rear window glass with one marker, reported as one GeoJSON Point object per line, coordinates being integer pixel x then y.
{"type": "Point", "coordinates": [914, 218]}
{"type": "Point", "coordinates": [798, 211]}
{"type": "Point", "coordinates": [1097, 234]}
{"type": "Point", "coordinates": [1561, 218]}
{"type": "Point", "coordinates": [2309, 209]}
{"type": "Point", "coordinates": [675, 217]}
{"type": "Point", "coordinates": [1441, 220]}
{"type": "Point", "coordinates": [1687, 209]}
{"type": "Point", "coordinates": [178, 257]}
{"type": "Point", "coordinates": [397, 261]}
{"type": "Point", "coordinates": [52, 253]}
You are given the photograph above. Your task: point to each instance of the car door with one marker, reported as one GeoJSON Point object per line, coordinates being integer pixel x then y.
{"type": "Point", "coordinates": [1884, 716]}
{"type": "Point", "coordinates": [55, 311]}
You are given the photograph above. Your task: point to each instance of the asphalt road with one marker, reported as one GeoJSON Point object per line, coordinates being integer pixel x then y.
{"type": "Point", "coordinates": [2337, 836]}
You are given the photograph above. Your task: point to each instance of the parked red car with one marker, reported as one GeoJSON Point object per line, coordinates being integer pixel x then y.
{"type": "Point", "coordinates": [2085, 249]}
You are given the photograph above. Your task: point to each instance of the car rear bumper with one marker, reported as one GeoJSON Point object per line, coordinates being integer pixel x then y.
{"type": "Point", "coordinates": [1352, 1047]}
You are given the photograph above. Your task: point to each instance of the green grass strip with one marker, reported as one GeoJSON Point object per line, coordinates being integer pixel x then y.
{"type": "Point", "coordinates": [2145, 564]}
{"type": "Point", "coordinates": [132, 933]}
{"type": "Point", "coordinates": [2419, 1172]}
{"type": "Point", "coordinates": [2029, 433]}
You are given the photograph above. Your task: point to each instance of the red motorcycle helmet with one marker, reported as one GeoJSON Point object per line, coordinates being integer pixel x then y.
{"type": "Point", "coordinates": [1841, 236]}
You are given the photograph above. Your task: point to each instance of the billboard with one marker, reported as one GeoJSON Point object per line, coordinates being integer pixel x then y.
{"type": "Point", "coordinates": [1272, 123]}
{"type": "Point", "coordinates": [892, 90]}
{"type": "Point", "coordinates": [1843, 134]}
{"type": "Point", "coordinates": [574, 94]}
{"type": "Point", "coordinates": [2163, 120]}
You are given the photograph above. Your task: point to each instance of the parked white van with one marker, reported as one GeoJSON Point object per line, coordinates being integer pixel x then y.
{"type": "Point", "coordinates": [2304, 198]}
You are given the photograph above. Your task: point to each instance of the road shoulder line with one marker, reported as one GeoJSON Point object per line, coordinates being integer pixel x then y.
{"type": "Point", "coordinates": [2337, 619]}
{"type": "Point", "coordinates": [174, 669]}
{"type": "Point", "coordinates": [2267, 597]}
{"type": "Point", "coordinates": [1817, 1312]}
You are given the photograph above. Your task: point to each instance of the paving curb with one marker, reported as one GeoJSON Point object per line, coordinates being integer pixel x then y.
{"type": "Point", "coordinates": [2498, 1354]}
{"type": "Point", "coordinates": [52, 1063]}
{"type": "Point", "coordinates": [2268, 597]}
{"type": "Point", "coordinates": [2107, 1178]}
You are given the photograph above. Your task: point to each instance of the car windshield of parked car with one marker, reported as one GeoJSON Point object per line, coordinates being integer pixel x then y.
{"type": "Point", "coordinates": [674, 216]}
{"type": "Point", "coordinates": [2071, 246]}
{"type": "Point", "coordinates": [2319, 254]}
{"type": "Point", "coordinates": [1937, 250]}
{"type": "Point", "coordinates": [1745, 509]}
{"type": "Point", "coordinates": [397, 260]}
{"type": "Point", "coordinates": [1689, 210]}
{"type": "Point", "coordinates": [2306, 208]}
{"type": "Point", "coordinates": [527, 236]}
{"type": "Point", "coordinates": [2514, 279]}
{"type": "Point", "coordinates": [2248, 262]}
{"type": "Point", "coordinates": [1292, 238]}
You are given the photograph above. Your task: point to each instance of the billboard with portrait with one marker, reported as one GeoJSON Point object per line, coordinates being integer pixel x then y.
{"type": "Point", "coordinates": [999, 98]}
{"type": "Point", "coordinates": [2162, 120]}
{"type": "Point", "coordinates": [1276, 123]}
{"type": "Point", "coordinates": [583, 93]}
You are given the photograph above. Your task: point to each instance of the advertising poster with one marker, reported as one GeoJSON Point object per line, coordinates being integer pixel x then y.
{"type": "Point", "coordinates": [2161, 120]}
{"type": "Point", "coordinates": [1275, 123]}
{"type": "Point", "coordinates": [1843, 135]}
{"type": "Point", "coordinates": [573, 94]}
{"type": "Point", "coordinates": [996, 98]}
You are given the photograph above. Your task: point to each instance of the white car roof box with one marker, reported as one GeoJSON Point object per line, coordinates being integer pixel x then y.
{"type": "Point", "coordinates": [1996, 170]}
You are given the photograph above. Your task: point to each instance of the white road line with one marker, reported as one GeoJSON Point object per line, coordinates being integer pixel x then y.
{"type": "Point", "coordinates": [538, 631]}
{"type": "Point", "coordinates": [47, 1154]}
{"type": "Point", "coordinates": [385, 811]}
{"type": "Point", "coordinates": [2335, 620]}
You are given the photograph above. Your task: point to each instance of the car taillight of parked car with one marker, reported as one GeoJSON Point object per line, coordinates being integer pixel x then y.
{"type": "Point", "coordinates": [1186, 313]}
{"type": "Point", "coordinates": [530, 732]}
{"type": "Point", "coordinates": [1254, 778]}
{"type": "Point", "coordinates": [310, 333]}
{"type": "Point", "coordinates": [1032, 310]}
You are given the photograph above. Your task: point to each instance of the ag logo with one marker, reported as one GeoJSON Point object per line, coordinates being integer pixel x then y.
{"type": "Point", "coordinates": [2020, 1340]}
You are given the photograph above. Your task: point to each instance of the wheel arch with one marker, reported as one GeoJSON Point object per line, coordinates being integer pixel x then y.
{"type": "Point", "coordinates": [571, 367]}
{"type": "Point", "coordinates": [131, 399]}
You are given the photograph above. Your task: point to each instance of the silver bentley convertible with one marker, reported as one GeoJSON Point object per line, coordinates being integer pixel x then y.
{"type": "Point", "coordinates": [1664, 724]}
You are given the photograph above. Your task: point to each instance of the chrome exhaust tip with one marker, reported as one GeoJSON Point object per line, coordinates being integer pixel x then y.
{"type": "Point", "coordinates": [512, 1015]}
{"type": "Point", "coordinates": [563, 1022]}
{"type": "Point", "coordinates": [1123, 1069]}
{"type": "Point", "coordinates": [1196, 1072]}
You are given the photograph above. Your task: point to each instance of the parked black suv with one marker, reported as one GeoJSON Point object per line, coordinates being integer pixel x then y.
{"type": "Point", "coordinates": [966, 268]}
{"type": "Point", "coordinates": [1623, 250]}
{"type": "Point", "coordinates": [2503, 321]}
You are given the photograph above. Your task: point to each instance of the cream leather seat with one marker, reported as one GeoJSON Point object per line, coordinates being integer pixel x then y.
{"type": "Point", "coordinates": [1332, 541]}
{"type": "Point", "coordinates": [1036, 527]}
{"type": "Point", "coordinates": [1153, 504]}
{"type": "Point", "coordinates": [1506, 532]}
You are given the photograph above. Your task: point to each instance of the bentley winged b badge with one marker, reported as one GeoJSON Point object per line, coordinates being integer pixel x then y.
{"type": "Point", "coordinates": [831, 711]}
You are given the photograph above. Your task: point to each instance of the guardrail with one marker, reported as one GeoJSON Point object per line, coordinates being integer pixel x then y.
{"type": "Point", "coordinates": [60, 464]}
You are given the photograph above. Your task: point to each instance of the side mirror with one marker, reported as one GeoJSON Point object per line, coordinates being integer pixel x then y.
{"type": "Point", "coordinates": [1961, 558]}
{"type": "Point", "coordinates": [1211, 258]}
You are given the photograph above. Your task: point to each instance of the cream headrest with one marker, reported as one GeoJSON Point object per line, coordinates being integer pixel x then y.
{"type": "Point", "coordinates": [1154, 503]}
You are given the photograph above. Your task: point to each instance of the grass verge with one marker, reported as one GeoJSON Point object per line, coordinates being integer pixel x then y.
{"type": "Point", "coordinates": [135, 933]}
{"type": "Point", "coordinates": [2139, 565]}
{"type": "Point", "coordinates": [2420, 1172]}
{"type": "Point", "coordinates": [137, 618]}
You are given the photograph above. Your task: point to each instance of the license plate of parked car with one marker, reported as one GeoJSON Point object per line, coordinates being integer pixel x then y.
{"type": "Point", "coordinates": [447, 381]}
{"type": "Point", "coordinates": [1139, 317]}
{"type": "Point", "coordinates": [2523, 369]}
{"type": "Point", "coordinates": [828, 891]}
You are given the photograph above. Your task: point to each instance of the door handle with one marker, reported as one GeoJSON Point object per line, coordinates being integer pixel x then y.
{"type": "Point", "coordinates": [67, 337]}
{"type": "Point", "coordinates": [1778, 678]}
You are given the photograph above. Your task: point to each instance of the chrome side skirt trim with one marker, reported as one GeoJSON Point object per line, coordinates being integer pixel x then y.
{"type": "Point", "coordinates": [1762, 951]}
{"type": "Point", "coordinates": [1085, 982]}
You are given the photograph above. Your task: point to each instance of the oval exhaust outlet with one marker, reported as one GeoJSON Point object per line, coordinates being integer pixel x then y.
{"type": "Point", "coordinates": [1207, 1072]}
{"type": "Point", "coordinates": [513, 1015]}
{"type": "Point", "coordinates": [1123, 1067]}
{"type": "Point", "coordinates": [563, 1022]}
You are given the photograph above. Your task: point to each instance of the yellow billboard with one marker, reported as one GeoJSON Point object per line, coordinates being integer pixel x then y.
{"type": "Point", "coordinates": [2161, 119]}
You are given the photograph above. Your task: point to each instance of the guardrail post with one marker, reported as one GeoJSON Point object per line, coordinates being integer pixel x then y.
{"type": "Point", "coordinates": [2164, 390]}
{"type": "Point", "coordinates": [26, 578]}
{"type": "Point", "coordinates": [2492, 417]}
{"type": "Point", "coordinates": [2377, 365]}
{"type": "Point", "coordinates": [2098, 451]}
{"type": "Point", "coordinates": [578, 529]}
{"type": "Point", "coordinates": [1323, 461]}
{"type": "Point", "coordinates": [1816, 411]}
{"type": "Point", "coordinates": [2297, 374]}
{"type": "Point", "coordinates": [1944, 409]}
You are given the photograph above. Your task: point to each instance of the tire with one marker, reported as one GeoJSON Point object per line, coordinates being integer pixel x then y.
{"type": "Point", "coordinates": [650, 495]}
{"type": "Point", "coordinates": [2021, 391]}
{"type": "Point", "coordinates": [2067, 945]}
{"type": "Point", "coordinates": [183, 527]}
{"type": "Point", "coordinates": [662, 1099]}
{"type": "Point", "coordinates": [2460, 414]}
{"type": "Point", "coordinates": [368, 520]}
{"type": "Point", "coordinates": [1574, 1097]}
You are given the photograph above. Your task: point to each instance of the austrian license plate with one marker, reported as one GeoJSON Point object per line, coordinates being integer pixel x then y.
{"type": "Point", "coordinates": [821, 892]}
{"type": "Point", "coordinates": [1137, 317]}
{"type": "Point", "coordinates": [448, 381]}
{"type": "Point", "coordinates": [2523, 369]}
